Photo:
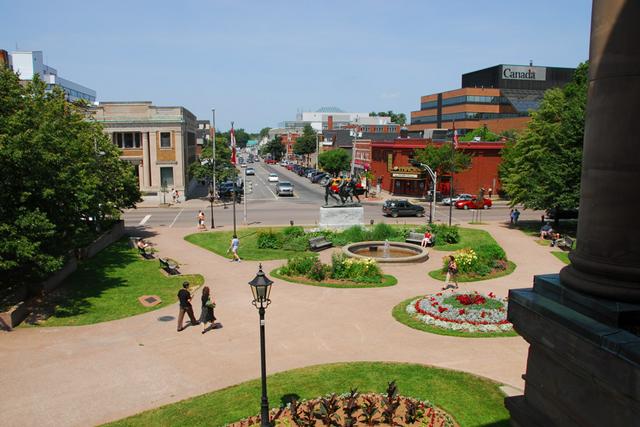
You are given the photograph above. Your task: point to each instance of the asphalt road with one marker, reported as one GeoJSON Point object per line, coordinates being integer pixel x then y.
{"type": "Point", "coordinates": [263, 207]}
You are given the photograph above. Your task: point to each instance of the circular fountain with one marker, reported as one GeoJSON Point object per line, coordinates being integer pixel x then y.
{"type": "Point", "coordinates": [387, 252]}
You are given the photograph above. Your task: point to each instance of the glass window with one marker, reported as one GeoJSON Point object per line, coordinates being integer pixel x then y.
{"type": "Point", "coordinates": [166, 176]}
{"type": "Point", "coordinates": [165, 139]}
{"type": "Point", "coordinates": [127, 139]}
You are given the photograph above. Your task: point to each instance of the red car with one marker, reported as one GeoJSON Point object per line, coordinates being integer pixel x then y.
{"type": "Point", "coordinates": [474, 203]}
{"type": "Point", "coordinates": [270, 162]}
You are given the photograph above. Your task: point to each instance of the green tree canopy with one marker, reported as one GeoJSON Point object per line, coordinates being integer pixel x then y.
{"type": "Point", "coordinates": [306, 144]}
{"type": "Point", "coordinates": [541, 168]}
{"type": "Point", "coordinates": [399, 118]}
{"type": "Point", "coordinates": [273, 148]}
{"type": "Point", "coordinates": [203, 168]}
{"type": "Point", "coordinates": [264, 132]}
{"type": "Point", "coordinates": [483, 132]}
{"type": "Point", "coordinates": [440, 158]}
{"type": "Point", "coordinates": [62, 179]}
{"type": "Point", "coordinates": [334, 161]}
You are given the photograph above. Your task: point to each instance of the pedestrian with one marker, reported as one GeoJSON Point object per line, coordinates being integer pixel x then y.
{"type": "Point", "coordinates": [174, 195]}
{"type": "Point", "coordinates": [511, 217]}
{"type": "Point", "coordinates": [208, 304]}
{"type": "Point", "coordinates": [201, 218]}
{"type": "Point", "coordinates": [184, 296]}
{"type": "Point", "coordinates": [235, 242]}
{"type": "Point", "coordinates": [482, 191]}
{"type": "Point", "coordinates": [177, 196]}
{"type": "Point", "coordinates": [452, 273]}
{"type": "Point", "coordinates": [516, 216]}
{"type": "Point", "coordinates": [490, 192]}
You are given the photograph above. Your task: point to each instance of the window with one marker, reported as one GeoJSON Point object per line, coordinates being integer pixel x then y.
{"type": "Point", "coordinates": [127, 139]}
{"type": "Point", "coordinates": [166, 176]}
{"type": "Point", "coordinates": [165, 139]}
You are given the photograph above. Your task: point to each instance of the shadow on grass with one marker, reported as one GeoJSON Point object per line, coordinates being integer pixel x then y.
{"type": "Point", "coordinates": [532, 227]}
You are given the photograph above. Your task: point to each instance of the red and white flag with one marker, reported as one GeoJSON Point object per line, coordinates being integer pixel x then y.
{"type": "Point", "coordinates": [233, 145]}
{"type": "Point", "coordinates": [455, 136]}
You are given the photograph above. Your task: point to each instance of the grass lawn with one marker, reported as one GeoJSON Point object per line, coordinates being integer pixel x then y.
{"type": "Point", "coordinates": [562, 256]}
{"type": "Point", "coordinates": [471, 400]}
{"type": "Point", "coordinates": [532, 228]}
{"type": "Point", "coordinates": [107, 287]}
{"type": "Point", "coordinates": [439, 275]}
{"type": "Point", "coordinates": [218, 242]}
{"type": "Point", "coordinates": [469, 238]}
{"type": "Point", "coordinates": [388, 280]}
{"type": "Point", "coordinates": [400, 314]}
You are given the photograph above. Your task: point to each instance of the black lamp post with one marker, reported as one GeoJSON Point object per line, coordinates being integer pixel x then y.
{"type": "Point", "coordinates": [212, 198]}
{"type": "Point", "coordinates": [261, 288]}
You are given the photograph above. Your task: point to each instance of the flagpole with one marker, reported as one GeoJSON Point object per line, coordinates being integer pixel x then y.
{"type": "Point", "coordinates": [235, 176]}
{"type": "Point", "coordinates": [213, 182]}
{"type": "Point", "coordinates": [453, 142]}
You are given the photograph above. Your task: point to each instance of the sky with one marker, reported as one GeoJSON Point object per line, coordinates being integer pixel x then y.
{"type": "Point", "coordinates": [258, 62]}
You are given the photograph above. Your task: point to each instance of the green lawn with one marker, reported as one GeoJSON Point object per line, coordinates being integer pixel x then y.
{"type": "Point", "coordinates": [532, 228]}
{"type": "Point", "coordinates": [388, 280]}
{"type": "Point", "coordinates": [107, 287]}
{"type": "Point", "coordinates": [471, 400]}
{"type": "Point", "coordinates": [400, 314]}
{"type": "Point", "coordinates": [462, 278]}
{"type": "Point", "coordinates": [219, 241]}
{"type": "Point", "coordinates": [562, 256]}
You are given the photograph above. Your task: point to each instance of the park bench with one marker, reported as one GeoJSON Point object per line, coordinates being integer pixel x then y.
{"type": "Point", "coordinates": [169, 266]}
{"type": "Point", "coordinates": [416, 238]}
{"type": "Point", "coordinates": [145, 253]}
{"type": "Point", "coordinates": [566, 243]}
{"type": "Point", "coordinates": [319, 243]}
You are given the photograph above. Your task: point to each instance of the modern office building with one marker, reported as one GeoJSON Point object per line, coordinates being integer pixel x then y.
{"type": "Point", "coordinates": [160, 142]}
{"type": "Point", "coordinates": [27, 64]}
{"type": "Point", "coordinates": [500, 97]}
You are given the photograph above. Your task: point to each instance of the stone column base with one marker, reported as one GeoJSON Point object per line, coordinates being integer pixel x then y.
{"type": "Point", "coordinates": [583, 367]}
{"type": "Point", "coordinates": [340, 217]}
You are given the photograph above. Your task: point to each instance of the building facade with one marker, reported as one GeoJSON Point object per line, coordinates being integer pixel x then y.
{"type": "Point", "coordinates": [499, 97]}
{"type": "Point", "coordinates": [160, 142]}
{"type": "Point", "coordinates": [204, 134]}
{"type": "Point", "coordinates": [28, 64]}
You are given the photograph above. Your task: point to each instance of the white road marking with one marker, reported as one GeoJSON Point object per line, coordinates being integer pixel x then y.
{"type": "Point", "coordinates": [144, 220]}
{"type": "Point", "coordinates": [174, 219]}
{"type": "Point", "coordinates": [267, 187]}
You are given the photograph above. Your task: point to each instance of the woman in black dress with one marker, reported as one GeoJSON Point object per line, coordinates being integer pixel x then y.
{"type": "Point", "coordinates": [207, 309]}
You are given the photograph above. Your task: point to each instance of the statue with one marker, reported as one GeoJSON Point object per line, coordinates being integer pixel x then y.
{"type": "Point", "coordinates": [328, 193]}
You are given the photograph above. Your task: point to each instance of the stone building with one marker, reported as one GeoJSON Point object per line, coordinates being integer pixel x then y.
{"type": "Point", "coordinates": [160, 142]}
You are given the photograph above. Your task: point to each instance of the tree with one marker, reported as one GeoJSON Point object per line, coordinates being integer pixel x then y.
{"type": "Point", "coordinates": [400, 118]}
{"type": "Point", "coordinates": [442, 158]}
{"type": "Point", "coordinates": [334, 161]}
{"type": "Point", "coordinates": [306, 144]}
{"type": "Point", "coordinates": [241, 137]}
{"type": "Point", "coordinates": [264, 132]}
{"type": "Point", "coordinates": [541, 167]}
{"type": "Point", "coordinates": [482, 132]}
{"type": "Point", "coordinates": [62, 180]}
{"type": "Point", "coordinates": [274, 148]}
{"type": "Point", "coordinates": [202, 169]}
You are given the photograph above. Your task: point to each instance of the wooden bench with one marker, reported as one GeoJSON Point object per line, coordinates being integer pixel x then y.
{"type": "Point", "coordinates": [319, 243]}
{"type": "Point", "coordinates": [145, 253]}
{"type": "Point", "coordinates": [566, 243]}
{"type": "Point", "coordinates": [169, 266]}
{"type": "Point", "coordinates": [416, 238]}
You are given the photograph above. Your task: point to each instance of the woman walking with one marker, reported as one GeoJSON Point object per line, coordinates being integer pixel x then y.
{"type": "Point", "coordinates": [207, 310]}
{"type": "Point", "coordinates": [452, 273]}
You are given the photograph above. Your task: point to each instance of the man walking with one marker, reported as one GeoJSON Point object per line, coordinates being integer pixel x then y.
{"type": "Point", "coordinates": [184, 296]}
{"type": "Point", "coordinates": [235, 242]}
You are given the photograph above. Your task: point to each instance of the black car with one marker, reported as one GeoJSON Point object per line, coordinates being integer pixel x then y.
{"type": "Point", "coordinates": [225, 191]}
{"type": "Point", "coordinates": [317, 177]}
{"type": "Point", "coordinates": [401, 207]}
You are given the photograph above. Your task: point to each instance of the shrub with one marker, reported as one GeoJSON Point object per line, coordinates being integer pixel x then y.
{"type": "Point", "coordinates": [343, 267]}
{"type": "Point", "coordinates": [466, 259]}
{"type": "Point", "coordinates": [318, 271]}
{"type": "Point", "coordinates": [268, 240]}
{"type": "Point", "coordinates": [447, 234]}
{"type": "Point", "coordinates": [355, 234]}
{"type": "Point", "coordinates": [296, 244]}
{"type": "Point", "coordinates": [293, 232]}
{"type": "Point", "coordinates": [299, 265]}
{"type": "Point", "coordinates": [382, 231]}
{"type": "Point", "coordinates": [490, 252]}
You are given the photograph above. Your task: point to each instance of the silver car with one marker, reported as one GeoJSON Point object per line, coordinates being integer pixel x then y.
{"type": "Point", "coordinates": [284, 188]}
{"type": "Point", "coordinates": [464, 196]}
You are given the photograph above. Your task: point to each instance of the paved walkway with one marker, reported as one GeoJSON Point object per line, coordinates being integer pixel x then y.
{"type": "Point", "coordinates": [79, 376]}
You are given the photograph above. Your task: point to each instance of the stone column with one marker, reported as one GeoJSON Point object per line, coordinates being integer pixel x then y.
{"type": "Point", "coordinates": [146, 167]}
{"type": "Point", "coordinates": [606, 262]}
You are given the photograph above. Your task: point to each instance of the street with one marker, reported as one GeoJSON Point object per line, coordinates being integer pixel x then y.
{"type": "Point", "coordinates": [263, 207]}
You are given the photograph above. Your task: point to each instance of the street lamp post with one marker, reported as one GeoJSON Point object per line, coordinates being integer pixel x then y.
{"type": "Point", "coordinates": [434, 177]}
{"type": "Point", "coordinates": [212, 198]}
{"type": "Point", "coordinates": [261, 288]}
{"type": "Point", "coordinates": [213, 146]}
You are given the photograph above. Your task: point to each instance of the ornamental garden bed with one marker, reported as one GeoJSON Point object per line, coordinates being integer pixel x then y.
{"type": "Point", "coordinates": [343, 272]}
{"type": "Point", "coordinates": [459, 314]}
{"type": "Point", "coordinates": [470, 400]}
{"type": "Point", "coordinates": [355, 409]}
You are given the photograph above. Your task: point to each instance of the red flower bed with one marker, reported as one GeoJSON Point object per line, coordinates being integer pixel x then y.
{"type": "Point", "coordinates": [469, 299]}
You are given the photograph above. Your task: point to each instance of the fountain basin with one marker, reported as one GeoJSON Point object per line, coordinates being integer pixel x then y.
{"type": "Point", "coordinates": [399, 252]}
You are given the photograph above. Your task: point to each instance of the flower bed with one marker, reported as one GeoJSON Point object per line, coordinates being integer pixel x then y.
{"type": "Point", "coordinates": [471, 312]}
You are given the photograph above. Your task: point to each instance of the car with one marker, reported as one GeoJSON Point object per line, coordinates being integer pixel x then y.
{"type": "Point", "coordinates": [243, 165]}
{"type": "Point", "coordinates": [284, 188]}
{"type": "Point", "coordinates": [250, 171]}
{"type": "Point", "coordinates": [225, 191]}
{"type": "Point", "coordinates": [319, 177]}
{"type": "Point", "coordinates": [464, 196]}
{"type": "Point", "coordinates": [270, 161]}
{"type": "Point", "coordinates": [273, 177]}
{"type": "Point", "coordinates": [310, 172]}
{"type": "Point", "coordinates": [475, 203]}
{"type": "Point", "coordinates": [401, 207]}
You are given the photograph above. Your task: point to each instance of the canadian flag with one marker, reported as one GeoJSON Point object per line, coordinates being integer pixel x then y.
{"type": "Point", "coordinates": [233, 145]}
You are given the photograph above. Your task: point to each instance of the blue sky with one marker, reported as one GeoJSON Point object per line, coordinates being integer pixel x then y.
{"type": "Point", "coordinates": [258, 62]}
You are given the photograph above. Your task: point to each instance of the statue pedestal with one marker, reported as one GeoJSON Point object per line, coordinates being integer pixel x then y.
{"type": "Point", "coordinates": [584, 358]}
{"type": "Point", "coordinates": [340, 217]}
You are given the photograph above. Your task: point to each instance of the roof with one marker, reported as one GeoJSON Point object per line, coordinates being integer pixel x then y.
{"type": "Point", "coordinates": [329, 110]}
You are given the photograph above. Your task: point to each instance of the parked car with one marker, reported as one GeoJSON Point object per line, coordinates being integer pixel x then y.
{"type": "Point", "coordinates": [270, 162]}
{"type": "Point", "coordinates": [250, 171]}
{"type": "Point", "coordinates": [273, 177]}
{"type": "Point", "coordinates": [317, 177]}
{"type": "Point", "coordinates": [225, 191]}
{"type": "Point", "coordinates": [311, 172]}
{"type": "Point", "coordinates": [464, 196]}
{"type": "Point", "coordinates": [475, 203]}
{"type": "Point", "coordinates": [401, 207]}
{"type": "Point", "coordinates": [284, 188]}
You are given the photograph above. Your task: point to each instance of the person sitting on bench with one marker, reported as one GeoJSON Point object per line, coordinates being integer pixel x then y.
{"type": "Point", "coordinates": [546, 232]}
{"type": "Point", "coordinates": [142, 245]}
{"type": "Point", "coordinates": [427, 239]}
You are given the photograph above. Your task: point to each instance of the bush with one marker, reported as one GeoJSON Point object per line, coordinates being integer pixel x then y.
{"type": "Point", "coordinates": [343, 267]}
{"type": "Point", "coordinates": [296, 244]}
{"type": "Point", "coordinates": [293, 232]}
{"type": "Point", "coordinates": [447, 234]}
{"type": "Point", "coordinates": [318, 271]}
{"type": "Point", "coordinates": [480, 261]}
{"type": "Point", "coordinates": [268, 240]}
{"type": "Point", "coordinates": [490, 253]}
{"type": "Point", "coordinates": [299, 265]}
{"type": "Point", "coordinates": [382, 231]}
{"type": "Point", "coordinates": [355, 234]}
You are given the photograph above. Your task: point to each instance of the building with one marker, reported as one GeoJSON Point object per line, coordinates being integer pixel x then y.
{"type": "Point", "coordinates": [500, 97]}
{"type": "Point", "coordinates": [334, 118]}
{"type": "Point", "coordinates": [390, 163]}
{"type": "Point", "coordinates": [160, 142]}
{"type": "Point", "coordinates": [204, 134]}
{"type": "Point", "coordinates": [28, 64]}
